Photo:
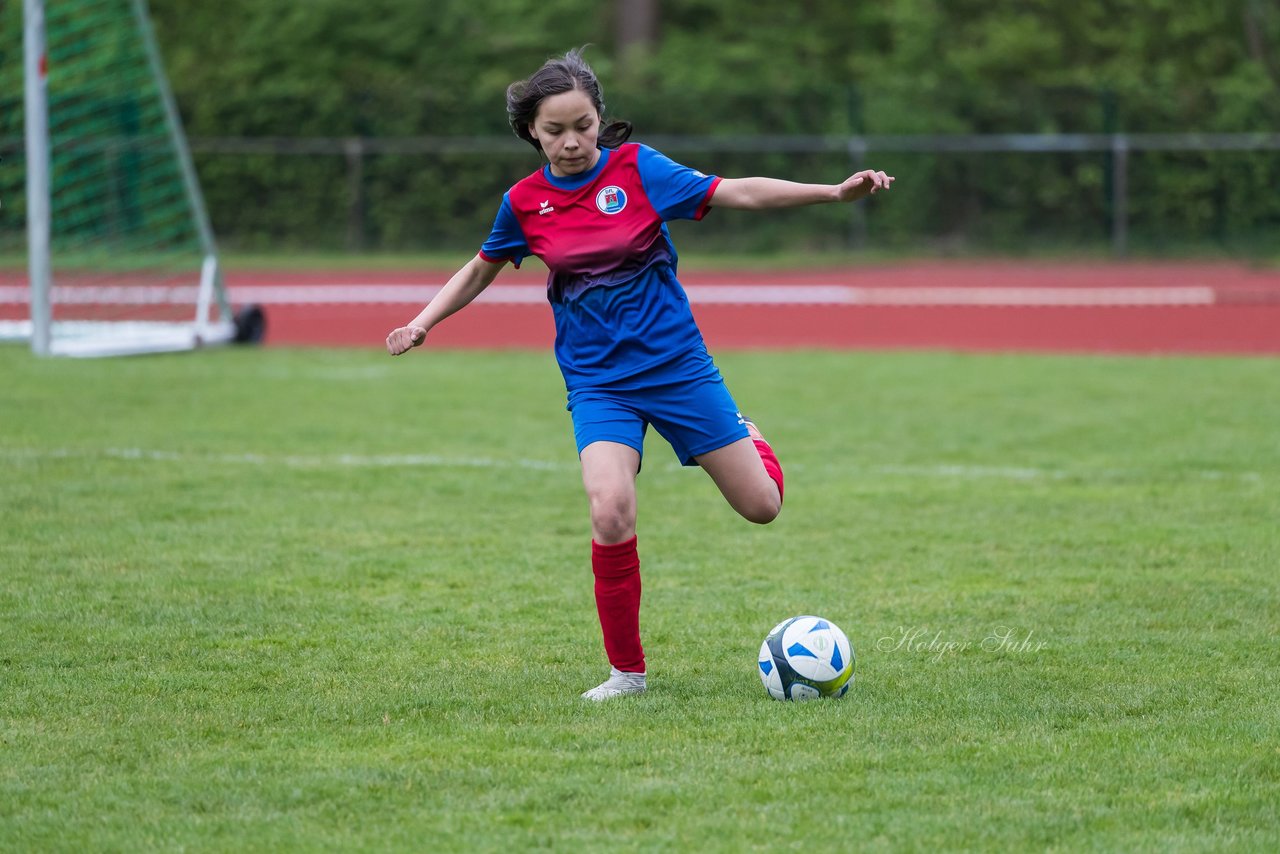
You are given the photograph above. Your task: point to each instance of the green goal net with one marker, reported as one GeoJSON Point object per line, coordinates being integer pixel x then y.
{"type": "Point", "coordinates": [106, 244]}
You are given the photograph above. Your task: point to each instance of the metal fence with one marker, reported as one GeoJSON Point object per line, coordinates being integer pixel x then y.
{"type": "Point", "coordinates": [857, 149]}
{"type": "Point", "coordinates": [354, 167]}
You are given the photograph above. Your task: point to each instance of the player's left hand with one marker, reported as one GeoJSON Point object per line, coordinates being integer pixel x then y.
{"type": "Point", "coordinates": [862, 184]}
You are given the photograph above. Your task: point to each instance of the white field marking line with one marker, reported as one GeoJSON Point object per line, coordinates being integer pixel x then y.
{"type": "Point", "coordinates": [980, 472]}
{"type": "Point", "coordinates": [289, 460]}
{"type": "Point", "coordinates": [933, 472]}
{"type": "Point", "coordinates": [381, 294]}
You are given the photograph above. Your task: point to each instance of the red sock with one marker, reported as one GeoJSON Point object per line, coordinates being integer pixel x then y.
{"type": "Point", "coordinates": [617, 571]}
{"type": "Point", "coordinates": [771, 464]}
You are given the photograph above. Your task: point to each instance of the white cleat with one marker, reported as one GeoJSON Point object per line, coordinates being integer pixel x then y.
{"type": "Point", "coordinates": [616, 685]}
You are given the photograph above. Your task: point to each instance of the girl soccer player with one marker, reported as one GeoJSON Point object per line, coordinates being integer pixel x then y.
{"type": "Point", "coordinates": [626, 341]}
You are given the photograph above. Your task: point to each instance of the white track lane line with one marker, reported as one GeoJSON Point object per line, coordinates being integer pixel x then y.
{"type": "Point", "coordinates": [359, 293]}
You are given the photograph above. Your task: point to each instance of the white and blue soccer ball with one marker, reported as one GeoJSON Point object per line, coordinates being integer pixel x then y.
{"type": "Point", "coordinates": [804, 658]}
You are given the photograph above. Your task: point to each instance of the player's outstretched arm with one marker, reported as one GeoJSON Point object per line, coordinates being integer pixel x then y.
{"type": "Point", "coordinates": [461, 289]}
{"type": "Point", "coordinates": [756, 194]}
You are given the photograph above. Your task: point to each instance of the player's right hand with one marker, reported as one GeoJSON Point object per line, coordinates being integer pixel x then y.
{"type": "Point", "coordinates": [404, 339]}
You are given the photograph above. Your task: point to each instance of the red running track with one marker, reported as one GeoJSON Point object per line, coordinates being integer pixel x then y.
{"type": "Point", "coordinates": [968, 306]}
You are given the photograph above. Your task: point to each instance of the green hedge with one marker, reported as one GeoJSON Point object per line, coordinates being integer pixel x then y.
{"type": "Point", "coordinates": [390, 68]}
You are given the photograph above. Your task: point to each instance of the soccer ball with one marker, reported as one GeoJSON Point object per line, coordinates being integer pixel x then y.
{"type": "Point", "coordinates": [804, 658]}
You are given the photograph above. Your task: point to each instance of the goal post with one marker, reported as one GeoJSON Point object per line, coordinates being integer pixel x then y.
{"type": "Point", "coordinates": [37, 163]}
{"type": "Point", "coordinates": [120, 254]}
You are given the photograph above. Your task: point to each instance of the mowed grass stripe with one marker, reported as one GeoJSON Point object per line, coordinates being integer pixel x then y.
{"type": "Point", "coordinates": [298, 655]}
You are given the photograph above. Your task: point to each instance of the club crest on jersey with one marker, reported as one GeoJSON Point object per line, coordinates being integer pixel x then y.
{"type": "Point", "coordinates": [611, 200]}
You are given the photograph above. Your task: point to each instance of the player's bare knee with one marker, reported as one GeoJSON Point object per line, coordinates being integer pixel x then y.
{"type": "Point", "coordinates": [766, 513]}
{"type": "Point", "coordinates": [615, 528]}
{"type": "Point", "coordinates": [613, 516]}
{"type": "Point", "coordinates": [763, 508]}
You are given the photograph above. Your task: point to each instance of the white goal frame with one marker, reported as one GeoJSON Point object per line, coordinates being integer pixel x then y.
{"type": "Point", "coordinates": [212, 321]}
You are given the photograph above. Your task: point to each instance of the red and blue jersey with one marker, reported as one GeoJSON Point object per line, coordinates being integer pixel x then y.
{"type": "Point", "coordinates": [619, 309]}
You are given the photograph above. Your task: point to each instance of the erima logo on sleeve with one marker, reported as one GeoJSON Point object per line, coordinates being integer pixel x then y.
{"type": "Point", "coordinates": [611, 200]}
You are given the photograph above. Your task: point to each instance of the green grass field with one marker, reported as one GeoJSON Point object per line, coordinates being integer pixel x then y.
{"type": "Point", "coordinates": [695, 259]}
{"type": "Point", "coordinates": [326, 600]}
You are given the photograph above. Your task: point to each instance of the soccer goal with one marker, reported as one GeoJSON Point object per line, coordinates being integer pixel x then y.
{"type": "Point", "coordinates": [119, 254]}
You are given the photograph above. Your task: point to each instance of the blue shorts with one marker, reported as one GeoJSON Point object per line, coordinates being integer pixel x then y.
{"type": "Point", "coordinates": [695, 413]}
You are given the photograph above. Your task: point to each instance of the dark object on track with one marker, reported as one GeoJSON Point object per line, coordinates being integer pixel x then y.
{"type": "Point", "coordinates": [251, 325]}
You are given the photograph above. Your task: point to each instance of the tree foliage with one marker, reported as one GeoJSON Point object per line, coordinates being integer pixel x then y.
{"type": "Point", "coordinates": [382, 68]}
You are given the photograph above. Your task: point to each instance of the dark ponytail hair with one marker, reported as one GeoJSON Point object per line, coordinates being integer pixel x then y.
{"type": "Point", "coordinates": [560, 74]}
